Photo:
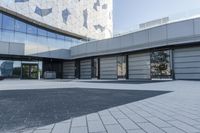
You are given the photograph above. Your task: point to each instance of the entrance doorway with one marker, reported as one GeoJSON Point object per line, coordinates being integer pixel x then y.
{"type": "Point", "coordinates": [95, 68]}
{"type": "Point", "coordinates": [29, 71]}
{"type": "Point", "coordinates": [121, 67]}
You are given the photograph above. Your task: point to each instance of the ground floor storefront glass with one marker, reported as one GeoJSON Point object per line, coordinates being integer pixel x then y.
{"type": "Point", "coordinates": [161, 67]}
{"type": "Point", "coordinates": [20, 69]}
{"type": "Point", "coordinates": [121, 67]}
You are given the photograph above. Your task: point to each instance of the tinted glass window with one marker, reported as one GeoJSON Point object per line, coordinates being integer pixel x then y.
{"type": "Point", "coordinates": [51, 34]}
{"type": "Point", "coordinates": [31, 29]}
{"type": "Point", "coordinates": [68, 38]}
{"type": "Point", "coordinates": [8, 22]}
{"type": "Point", "coordinates": [0, 20]}
{"type": "Point", "coordinates": [20, 26]}
{"type": "Point", "coordinates": [42, 32]}
{"type": "Point", "coordinates": [60, 37]}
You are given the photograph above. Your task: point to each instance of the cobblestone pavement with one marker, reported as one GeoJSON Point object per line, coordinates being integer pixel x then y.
{"type": "Point", "coordinates": [176, 112]}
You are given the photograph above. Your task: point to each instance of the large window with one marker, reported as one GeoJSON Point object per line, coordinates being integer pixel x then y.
{"type": "Point", "coordinates": [31, 29]}
{"type": "Point", "coordinates": [161, 64]}
{"type": "Point", "coordinates": [121, 67]}
{"type": "Point", "coordinates": [42, 32]}
{"type": "Point", "coordinates": [16, 30]}
{"type": "Point", "coordinates": [0, 20]}
{"type": "Point", "coordinates": [20, 26]}
{"type": "Point", "coordinates": [8, 22]}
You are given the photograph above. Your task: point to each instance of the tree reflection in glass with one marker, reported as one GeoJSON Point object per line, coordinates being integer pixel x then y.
{"type": "Point", "coordinates": [160, 64]}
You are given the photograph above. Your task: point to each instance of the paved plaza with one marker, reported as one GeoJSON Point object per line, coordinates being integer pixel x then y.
{"type": "Point", "coordinates": [177, 111]}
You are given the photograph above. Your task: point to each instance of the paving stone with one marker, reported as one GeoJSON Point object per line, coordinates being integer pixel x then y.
{"type": "Point", "coordinates": [158, 122]}
{"type": "Point", "coordinates": [79, 122]}
{"type": "Point", "coordinates": [150, 128]}
{"type": "Point", "coordinates": [107, 120]}
{"type": "Point", "coordinates": [197, 126]}
{"type": "Point", "coordinates": [95, 126]}
{"type": "Point", "coordinates": [184, 126]}
{"type": "Point", "coordinates": [135, 131]}
{"type": "Point", "coordinates": [93, 117]}
{"type": "Point", "coordinates": [28, 131]}
{"type": "Point", "coordinates": [128, 124]}
{"type": "Point", "coordinates": [164, 117]}
{"type": "Point", "coordinates": [104, 113]}
{"type": "Point", "coordinates": [61, 128]}
{"type": "Point", "coordinates": [115, 129]}
{"type": "Point", "coordinates": [137, 118]}
{"type": "Point", "coordinates": [172, 130]}
{"type": "Point", "coordinates": [48, 127]}
{"type": "Point", "coordinates": [186, 120]}
{"type": "Point", "coordinates": [144, 113]}
{"type": "Point", "coordinates": [119, 115]}
{"type": "Point", "coordinates": [79, 130]}
{"type": "Point", "coordinates": [42, 131]}
{"type": "Point", "coordinates": [114, 109]}
{"type": "Point", "coordinates": [67, 121]}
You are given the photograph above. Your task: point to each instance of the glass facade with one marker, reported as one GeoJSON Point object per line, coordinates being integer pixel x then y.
{"type": "Point", "coordinates": [36, 39]}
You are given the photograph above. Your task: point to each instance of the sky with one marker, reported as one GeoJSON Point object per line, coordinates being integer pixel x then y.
{"type": "Point", "coordinates": [128, 14]}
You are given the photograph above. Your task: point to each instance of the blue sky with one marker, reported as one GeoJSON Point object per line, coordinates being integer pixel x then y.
{"type": "Point", "coordinates": [129, 13]}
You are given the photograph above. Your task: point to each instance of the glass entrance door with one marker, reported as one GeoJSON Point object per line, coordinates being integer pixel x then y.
{"type": "Point", "coordinates": [29, 71]}
{"type": "Point", "coordinates": [121, 67]}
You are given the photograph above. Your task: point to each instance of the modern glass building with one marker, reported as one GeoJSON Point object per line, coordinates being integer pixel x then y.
{"type": "Point", "coordinates": [36, 36]}
{"type": "Point", "coordinates": [73, 39]}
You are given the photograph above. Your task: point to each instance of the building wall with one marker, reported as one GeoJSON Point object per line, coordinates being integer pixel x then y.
{"type": "Point", "coordinates": [108, 67]}
{"type": "Point", "coordinates": [139, 66]}
{"type": "Point", "coordinates": [69, 69]}
{"type": "Point", "coordinates": [177, 33]}
{"type": "Point", "coordinates": [88, 18]}
{"type": "Point", "coordinates": [187, 63]}
{"type": "Point", "coordinates": [85, 69]}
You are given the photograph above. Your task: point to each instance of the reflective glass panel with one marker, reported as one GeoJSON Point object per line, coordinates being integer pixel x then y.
{"type": "Point", "coordinates": [60, 37]}
{"type": "Point", "coordinates": [16, 69]}
{"type": "Point", "coordinates": [6, 68]}
{"type": "Point", "coordinates": [42, 32]}
{"type": "Point", "coordinates": [20, 37]}
{"type": "Point", "coordinates": [7, 35]}
{"type": "Point", "coordinates": [0, 20]}
{"type": "Point", "coordinates": [20, 26]}
{"type": "Point", "coordinates": [31, 29]}
{"type": "Point", "coordinates": [51, 34]}
{"type": "Point", "coordinates": [121, 66]}
{"type": "Point", "coordinates": [161, 64]}
{"type": "Point", "coordinates": [8, 22]}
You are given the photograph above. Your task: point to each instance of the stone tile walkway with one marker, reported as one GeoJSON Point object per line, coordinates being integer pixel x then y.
{"type": "Point", "coordinates": [176, 112]}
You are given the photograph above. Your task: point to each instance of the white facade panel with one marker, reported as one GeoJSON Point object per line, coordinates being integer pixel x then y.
{"type": "Point", "coordinates": [180, 29]}
{"type": "Point", "coordinates": [127, 40]}
{"type": "Point", "coordinates": [158, 33]}
{"type": "Point", "coordinates": [4, 47]}
{"type": "Point", "coordinates": [141, 37]}
{"type": "Point", "coordinates": [16, 48]}
{"type": "Point", "coordinates": [197, 26]}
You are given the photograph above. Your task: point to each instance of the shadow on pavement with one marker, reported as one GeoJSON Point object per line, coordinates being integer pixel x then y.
{"type": "Point", "coordinates": [21, 109]}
